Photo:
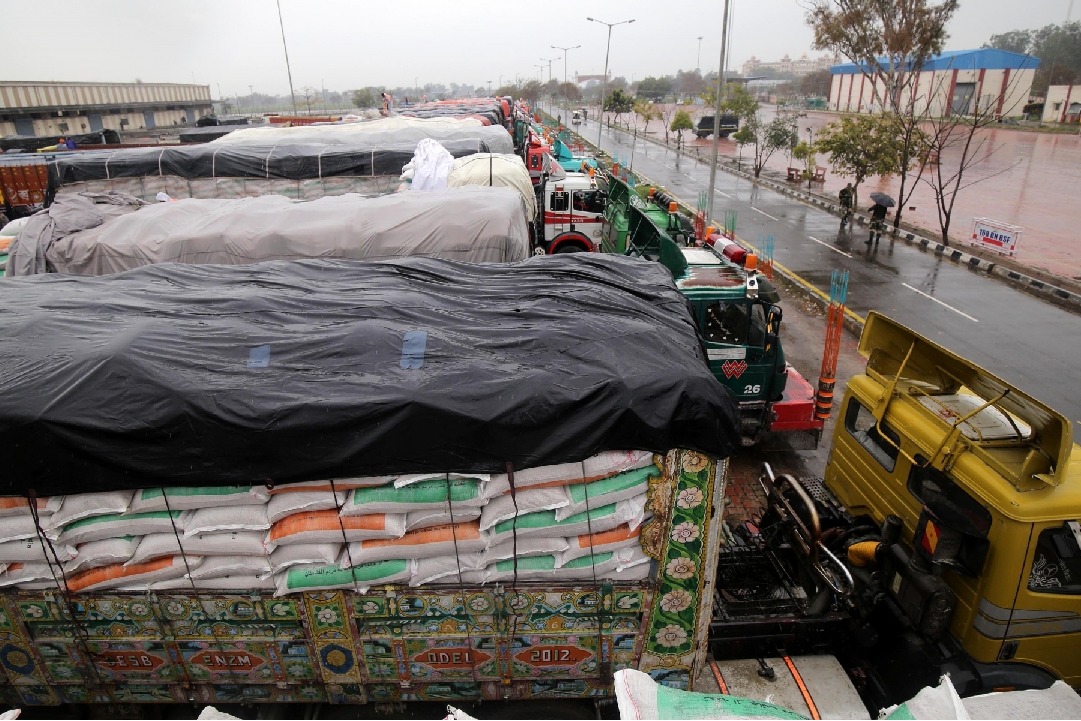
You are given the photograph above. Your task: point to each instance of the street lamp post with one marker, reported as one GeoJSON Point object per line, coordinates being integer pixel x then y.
{"type": "Point", "coordinates": [698, 65]}
{"type": "Point", "coordinates": [489, 88]}
{"type": "Point", "coordinates": [549, 61]}
{"type": "Point", "coordinates": [810, 158]}
{"type": "Point", "coordinates": [717, 110]}
{"type": "Point", "coordinates": [604, 80]}
{"type": "Point", "coordinates": [556, 47]}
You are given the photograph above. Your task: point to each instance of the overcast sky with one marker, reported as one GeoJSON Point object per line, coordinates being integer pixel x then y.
{"type": "Point", "coordinates": [344, 44]}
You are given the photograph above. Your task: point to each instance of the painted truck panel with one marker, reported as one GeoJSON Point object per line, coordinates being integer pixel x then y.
{"type": "Point", "coordinates": [392, 643]}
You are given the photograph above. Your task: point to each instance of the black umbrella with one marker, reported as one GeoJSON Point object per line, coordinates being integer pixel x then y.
{"type": "Point", "coordinates": [883, 199]}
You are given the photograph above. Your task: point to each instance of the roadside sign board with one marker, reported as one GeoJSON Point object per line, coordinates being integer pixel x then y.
{"type": "Point", "coordinates": [996, 236]}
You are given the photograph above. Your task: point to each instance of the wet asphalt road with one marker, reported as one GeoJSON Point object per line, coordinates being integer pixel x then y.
{"type": "Point", "coordinates": [1022, 339]}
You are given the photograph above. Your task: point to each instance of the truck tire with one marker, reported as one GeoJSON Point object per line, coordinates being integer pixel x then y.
{"type": "Point", "coordinates": [724, 133]}
{"type": "Point", "coordinates": [572, 242]}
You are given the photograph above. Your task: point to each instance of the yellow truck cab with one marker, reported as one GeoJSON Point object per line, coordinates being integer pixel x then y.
{"type": "Point", "coordinates": [977, 489]}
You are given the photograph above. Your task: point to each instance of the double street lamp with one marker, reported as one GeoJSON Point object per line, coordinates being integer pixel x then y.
{"type": "Point", "coordinates": [549, 61]}
{"type": "Point", "coordinates": [604, 80]}
{"type": "Point", "coordinates": [556, 47]}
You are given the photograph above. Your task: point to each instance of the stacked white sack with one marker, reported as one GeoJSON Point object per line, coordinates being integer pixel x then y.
{"type": "Point", "coordinates": [570, 522]}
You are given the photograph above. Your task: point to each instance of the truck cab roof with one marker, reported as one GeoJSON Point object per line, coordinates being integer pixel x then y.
{"type": "Point", "coordinates": [709, 273]}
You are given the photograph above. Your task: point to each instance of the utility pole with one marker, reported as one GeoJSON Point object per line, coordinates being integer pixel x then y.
{"type": "Point", "coordinates": [604, 80]}
{"type": "Point", "coordinates": [251, 97]}
{"type": "Point", "coordinates": [286, 48]}
{"type": "Point", "coordinates": [717, 112]}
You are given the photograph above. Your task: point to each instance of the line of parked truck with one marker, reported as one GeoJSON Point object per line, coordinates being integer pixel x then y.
{"type": "Point", "coordinates": [942, 538]}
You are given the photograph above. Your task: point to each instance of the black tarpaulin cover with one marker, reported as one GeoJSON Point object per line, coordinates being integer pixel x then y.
{"type": "Point", "coordinates": [290, 371]}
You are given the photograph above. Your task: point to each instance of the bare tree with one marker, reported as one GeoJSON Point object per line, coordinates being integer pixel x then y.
{"type": "Point", "coordinates": [667, 112]}
{"type": "Point", "coordinates": [309, 95]}
{"type": "Point", "coordinates": [888, 40]}
{"type": "Point", "coordinates": [960, 140]}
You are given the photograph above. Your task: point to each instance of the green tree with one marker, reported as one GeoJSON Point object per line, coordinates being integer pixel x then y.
{"type": "Point", "coordinates": [1015, 41]}
{"type": "Point", "coordinates": [709, 93]}
{"type": "Point", "coordinates": [618, 102]}
{"type": "Point", "coordinates": [816, 83]}
{"type": "Point", "coordinates": [690, 83]}
{"type": "Point", "coordinates": [570, 91]}
{"type": "Point", "coordinates": [646, 111]}
{"type": "Point", "coordinates": [655, 89]}
{"type": "Point", "coordinates": [740, 103]}
{"type": "Point", "coordinates": [889, 40]}
{"type": "Point", "coordinates": [860, 146]}
{"type": "Point", "coordinates": [766, 138]}
{"type": "Point", "coordinates": [1057, 46]}
{"type": "Point", "coordinates": [805, 152]}
{"type": "Point", "coordinates": [363, 98]}
{"type": "Point", "coordinates": [682, 121]}
{"type": "Point", "coordinates": [531, 90]}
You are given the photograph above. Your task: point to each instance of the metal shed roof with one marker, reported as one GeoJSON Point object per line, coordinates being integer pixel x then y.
{"type": "Point", "coordinates": [982, 58]}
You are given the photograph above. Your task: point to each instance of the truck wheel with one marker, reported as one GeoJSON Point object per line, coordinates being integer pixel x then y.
{"type": "Point", "coordinates": [571, 243]}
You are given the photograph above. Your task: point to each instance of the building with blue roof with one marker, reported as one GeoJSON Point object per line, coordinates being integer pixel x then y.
{"type": "Point", "coordinates": [955, 81]}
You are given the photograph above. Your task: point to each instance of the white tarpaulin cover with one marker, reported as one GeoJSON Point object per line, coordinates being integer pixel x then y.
{"type": "Point", "coordinates": [385, 130]}
{"type": "Point", "coordinates": [477, 224]}
{"type": "Point", "coordinates": [431, 165]}
{"type": "Point", "coordinates": [498, 170]}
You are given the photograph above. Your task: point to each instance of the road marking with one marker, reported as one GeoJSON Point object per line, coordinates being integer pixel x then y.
{"type": "Point", "coordinates": [722, 193]}
{"type": "Point", "coordinates": [835, 250]}
{"type": "Point", "coordinates": [947, 305]}
{"type": "Point", "coordinates": [765, 214]}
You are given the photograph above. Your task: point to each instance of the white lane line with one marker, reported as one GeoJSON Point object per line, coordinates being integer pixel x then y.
{"type": "Point", "coordinates": [722, 193]}
{"type": "Point", "coordinates": [765, 214]}
{"type": "Point", "coordinates": [835, 250]}
{"type": "Point", "coordinates": [947, 305]}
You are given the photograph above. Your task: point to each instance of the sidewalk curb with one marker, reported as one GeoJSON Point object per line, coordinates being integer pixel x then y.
{"type": "Point", "coordinates": [1061, 296]}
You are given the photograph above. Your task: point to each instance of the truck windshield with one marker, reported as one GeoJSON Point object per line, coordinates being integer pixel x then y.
{"type": "Point", "coordinates": [735, 323]}
{"type": "Point", "coordinates": [589, 201]}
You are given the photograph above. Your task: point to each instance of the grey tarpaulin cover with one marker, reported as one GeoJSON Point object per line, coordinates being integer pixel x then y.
{"type": "Point", "coordinates": [211, 375]}
{"type": "Point", "coordinates": [477, 224]}
{"type": "Point", "coordinates": [385, 131]}
{"type": "Point", "coordinates": [77, 212]}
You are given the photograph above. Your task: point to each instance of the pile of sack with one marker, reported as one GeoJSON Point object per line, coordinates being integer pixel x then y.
{"type": "Point", "coordinates": [569, 522]}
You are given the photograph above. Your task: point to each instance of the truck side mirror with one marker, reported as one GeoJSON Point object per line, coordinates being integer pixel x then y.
{"type": "Point", "coordinates": [773, 325]}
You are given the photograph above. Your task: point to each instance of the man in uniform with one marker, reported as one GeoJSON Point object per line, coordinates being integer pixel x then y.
{"type": "Point", "coordinates": [846, 197]}
{"type": "Point", "coordinates": [878, 222]}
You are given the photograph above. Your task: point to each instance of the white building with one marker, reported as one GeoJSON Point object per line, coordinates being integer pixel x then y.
{"type": "Point", "coordinates": [952, 82]}
{"type": "Point", "coordinates": [51, 108]}
{"type": "Point", "coordinates": [801, 66]}
{"type": "Point", "coordinates": [1063, 104]}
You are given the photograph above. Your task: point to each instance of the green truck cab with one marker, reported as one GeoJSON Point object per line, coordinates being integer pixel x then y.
{"type": "Point", "coordinates": [736, 308]}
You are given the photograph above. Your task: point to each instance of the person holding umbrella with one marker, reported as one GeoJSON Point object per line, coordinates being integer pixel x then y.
{"type": "Point", "coordinates": [878, 216]}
